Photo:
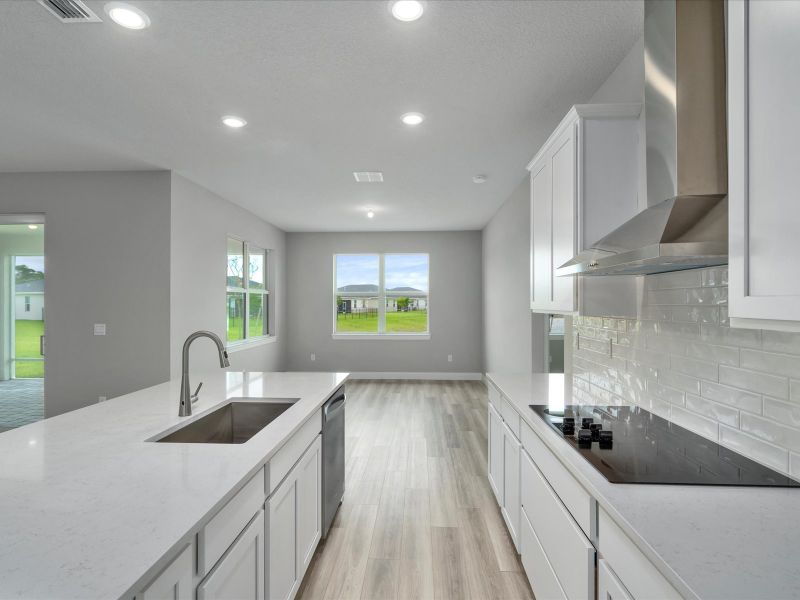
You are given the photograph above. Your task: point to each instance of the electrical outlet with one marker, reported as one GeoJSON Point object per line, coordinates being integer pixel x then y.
{"type": "Point", "coordinates": [102, 398]}
{"type": "Point", "coordinates": [313, 357]}
{"type": "Point", "coordinates": [449, 358]}
{"type": "Point", "coordinates": [99, 328]}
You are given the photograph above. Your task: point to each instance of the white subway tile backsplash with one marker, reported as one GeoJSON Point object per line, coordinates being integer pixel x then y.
{"type": "Point", "coordinates": [682, 361]}
{"type": "Point", "coordinates": [769, 362]}
{"type": "Point", "coordinates": [753, 381]}
{"type": "Point", "coordinates": [770, 431]}
{"type": "Point", "coordinates": [718, 412]}
{"type": "Point", "coordinates": [731, 396]}
{"type": "Point", "coordinates": [763, 452]}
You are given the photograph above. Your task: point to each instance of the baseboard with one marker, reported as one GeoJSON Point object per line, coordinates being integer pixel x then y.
{"type": "Point", "coordinates": [426, 375]}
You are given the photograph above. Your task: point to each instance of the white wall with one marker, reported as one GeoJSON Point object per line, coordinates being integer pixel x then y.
{"type": "Point", "coordinates": [626, 82]}
{"type": "Point", "coordinates": [455, 304]}
{"type": "Point", "coordinates": [200, 224]}
{"type": "Point", "coordinates": [107, 261]}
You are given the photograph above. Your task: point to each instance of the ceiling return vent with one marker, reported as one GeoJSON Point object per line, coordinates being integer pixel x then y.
{"type": "Point", "coordinates": [70, 11]}
{"type": "Point", "coordinates": [368, 176]}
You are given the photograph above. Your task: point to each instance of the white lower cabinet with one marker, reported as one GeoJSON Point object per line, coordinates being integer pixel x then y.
{"type": "Point", "coordinates": [609, 587]}
{"type": "Point", "coordinates": [294, 524]}
{"type": "Point", "coordinates": [543, 580]}
{"type": "Point", "coordinates": [510, 507]}
{"type": "Point", "coordinates": [496, 442]}
{"type": "Point", "coordinates": [174, 582]}
{"type": "Point", "coordinates": [239, 575]}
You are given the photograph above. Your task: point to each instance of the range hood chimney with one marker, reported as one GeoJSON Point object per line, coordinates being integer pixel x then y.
{"type": "Point", "coordinates": [686, 224]}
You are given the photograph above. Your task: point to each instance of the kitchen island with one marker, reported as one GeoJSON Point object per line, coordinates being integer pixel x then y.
{"type": "Point", "coordinates": [90, 509]}
{"type": "Point", "coordinates": [703, 542]}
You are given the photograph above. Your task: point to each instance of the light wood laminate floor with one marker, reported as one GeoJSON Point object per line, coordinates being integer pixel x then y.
{"type": "Point", "coordinates": [418, 518]}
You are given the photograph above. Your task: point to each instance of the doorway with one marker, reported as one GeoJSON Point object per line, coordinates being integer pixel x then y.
{"type": "Point", "coordinates": [22, 320]}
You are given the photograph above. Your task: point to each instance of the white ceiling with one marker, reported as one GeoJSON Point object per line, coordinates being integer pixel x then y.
{"type": "Point", "coordinates": [322, 85]}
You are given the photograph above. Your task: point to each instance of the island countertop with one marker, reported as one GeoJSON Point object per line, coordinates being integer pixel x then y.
{"type": "Point", "coordinates": [88, 507]}
{"type": "Point", "coordinates": [710, 542]}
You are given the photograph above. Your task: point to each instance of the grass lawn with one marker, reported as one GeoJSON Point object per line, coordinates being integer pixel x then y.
{"type": "Point", "coordinates": [27, 346]}
{"type": "Point", "coordinates": [396, 322]}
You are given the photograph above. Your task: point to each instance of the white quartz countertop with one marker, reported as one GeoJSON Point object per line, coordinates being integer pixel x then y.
{"type": "Point", "coordinates": [88, 507]}
{"type": "Point", "coordinates": [710, 542]}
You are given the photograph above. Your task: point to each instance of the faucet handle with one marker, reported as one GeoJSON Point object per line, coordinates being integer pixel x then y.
{"type": "Point", "coordinates": [194, 397]}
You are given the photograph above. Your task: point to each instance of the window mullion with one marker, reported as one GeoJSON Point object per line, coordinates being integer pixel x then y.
{"type": "Point", "coordinates": [381, 295]}
{"type": "Point", "coordinates": [246, 273]}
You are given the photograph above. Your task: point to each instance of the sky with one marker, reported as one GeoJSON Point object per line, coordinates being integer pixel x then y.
{"type": "Point", "coordinates": [34, 262]}
{"type": "Point", "coordinates": [402, 270]}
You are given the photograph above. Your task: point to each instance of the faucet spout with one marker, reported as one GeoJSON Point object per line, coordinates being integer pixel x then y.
{"type": "Point", "coordinates": [185, 406]}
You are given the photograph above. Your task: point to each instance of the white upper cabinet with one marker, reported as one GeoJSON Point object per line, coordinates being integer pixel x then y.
{"type": "Point", "coordinates": [584, 184]}
{"type": "Point", "coordinates": [764, 129]}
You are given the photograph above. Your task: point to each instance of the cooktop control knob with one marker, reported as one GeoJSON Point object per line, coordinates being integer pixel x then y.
{"type": "Point", "coordinates": [586, 422]}
{"type": "Point", "coordinates": [585, 438]}
{"type": "Point", "coordinates": [595, 429]}
{"type": "Point", "coordinates": [605, 438]}
{"type": "Point", "coordinates": [568, 426]}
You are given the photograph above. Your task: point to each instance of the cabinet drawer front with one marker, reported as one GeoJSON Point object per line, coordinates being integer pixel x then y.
{"type": "Point", "coordinates": [636, 573]}
{"type": "Point", "coordinates": [174, 582]}
{"type": "Point", "coordinates": [496, 445]}
{"type": "Point", "coordinates": [609, 587]}
{"type": "Point", "coordinates": [494, 396]}
{"type": "Point", "coordinates": [222, 529]}
{"type": "Point", "coordinates": [572, 493]}
{"type": "Point", "coordinates": [510, 416]}
{"type": "Point", "coordinates": [540, 573]}
{"type": "Point", "coordinates": [569, 551]}
{"type": "Point", "coordinates": [293, 449]}
{"type": "Point", "coordinates": [240, 574]}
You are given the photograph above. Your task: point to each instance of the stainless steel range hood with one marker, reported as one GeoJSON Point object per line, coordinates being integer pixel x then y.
{"type": "Point", "coordinates": [686, 224]}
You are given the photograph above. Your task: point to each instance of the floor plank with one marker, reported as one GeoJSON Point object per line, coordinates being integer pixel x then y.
{"type": "Point", "coordinates": [419, 520]}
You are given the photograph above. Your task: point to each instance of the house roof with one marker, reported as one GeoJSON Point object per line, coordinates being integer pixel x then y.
{"type": "Point", "coordinates": [372, 288]}
{"type": "Point", "coordinates": [34, 286]}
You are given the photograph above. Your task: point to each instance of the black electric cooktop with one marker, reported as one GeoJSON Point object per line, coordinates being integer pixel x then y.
{"type": "Point", "coordinates": [628, 444]}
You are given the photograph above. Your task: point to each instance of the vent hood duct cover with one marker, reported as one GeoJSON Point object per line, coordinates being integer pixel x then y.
{"type": "Point", "coordinates": [686, 224]}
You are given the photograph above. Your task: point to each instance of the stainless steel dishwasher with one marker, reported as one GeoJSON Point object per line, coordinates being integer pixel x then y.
{"type": "Point", "coordinates": [332, 457]}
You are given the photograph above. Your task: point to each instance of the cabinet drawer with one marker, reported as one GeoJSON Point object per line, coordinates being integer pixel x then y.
{"type": "Point", "coordinates": [175, 581]}
{"type": "Point", "coordinates": [494, 396]}
{"type": "Point", "coordinates": [609, 587]}
{"type": "Point", "coordinates": [510, 416]}
{"type": "Point", "coordinates": [292, 450]}
{"type": "Point", "coordinates": [569, 551]}
{"type": "Point", "coordinates": [540, 573]}
{"type": "Point", "coordinates": [220, 532]}
{"type": "Point", "coordinates": [636, 573]}
{"type": "Point", "coordinates": [571, 493]}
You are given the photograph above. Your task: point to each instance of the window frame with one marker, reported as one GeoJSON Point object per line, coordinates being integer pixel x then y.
{"type": "Point", "coordinates": [381, 334]}
{"type": "Point", "coordinates": [247, 341]}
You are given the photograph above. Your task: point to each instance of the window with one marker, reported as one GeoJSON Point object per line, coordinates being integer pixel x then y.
{"type": "Point", "coordinates": [381, 294]}
{"type": "Point", "coordinates": [27, 304]}
{"type": "Point", "coordinates": [247, 300]}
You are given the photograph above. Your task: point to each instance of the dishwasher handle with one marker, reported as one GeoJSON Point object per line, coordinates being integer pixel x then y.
{"type": "Point", "coordinates": [333, 407]}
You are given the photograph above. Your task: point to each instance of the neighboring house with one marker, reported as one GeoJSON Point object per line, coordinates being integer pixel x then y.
{"type": "Point", "coordinates": [29, 301]}
{"type": "Point", "coordinates": [418, 300]}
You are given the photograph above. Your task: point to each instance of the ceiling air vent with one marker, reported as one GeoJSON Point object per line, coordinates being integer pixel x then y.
{"type": "Point", "coordinates": [70, 11]}
{"type": "Point", "coordinates": [368, 176]}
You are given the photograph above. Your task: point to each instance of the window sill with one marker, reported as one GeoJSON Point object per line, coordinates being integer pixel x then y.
{"type": "Point", "coordinates": [383, 337]}
{"type": "Point", "coordinates": [247, 344]}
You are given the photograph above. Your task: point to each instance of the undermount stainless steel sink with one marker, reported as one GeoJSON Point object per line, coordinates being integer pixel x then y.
{"type": "Point", "coordinates": [234, 423]}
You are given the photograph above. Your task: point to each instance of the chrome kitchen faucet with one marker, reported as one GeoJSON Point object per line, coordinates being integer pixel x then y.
{"type": "Point", "coordinates": [187, 398]}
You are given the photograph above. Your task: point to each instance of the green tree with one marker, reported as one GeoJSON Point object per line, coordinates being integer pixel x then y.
{"type": "Point", "coordinates": [25, 273]}
{"type": "Point", "coordinates": [402, 303]}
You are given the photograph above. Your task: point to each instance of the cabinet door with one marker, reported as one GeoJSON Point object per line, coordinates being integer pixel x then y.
{"type": "Point", "coordinates": [763, 87]}
{"type": "Point", "coordinates": [239, 575]}
{"type": "Point", "coordinates": [541, 236]}
{"type": "Point", "coordinates": [510, 510]}
{"type": "Point", "coordinates": [563, 220]}
{"type": "Point", "coordinates": [496, 454]}
{"type": "Point", "coordinates": [174, 582]}
{"type": "Point", "coordinates": [309, 505]}
{"type": "Point", "coordinates": [282, 552]}
{"type": "Point", "coordinates": [609, 587]}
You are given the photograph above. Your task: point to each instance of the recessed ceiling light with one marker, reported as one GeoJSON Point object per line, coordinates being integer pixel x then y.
{"type": "Point", "coordinates": [127, 16]}
{"type": "Point", "coordinates": [479, 179]}
{"type": "Point", "coordinates": [234, 122]}
{"type": "Point", "coordinates": [33, 227]}
{"type": "Point", "coordinates": [370, 214]}
{"type": "Point", "coordinates": [407, 10]}
{"type": "Point", "coordinates": [412, 118]}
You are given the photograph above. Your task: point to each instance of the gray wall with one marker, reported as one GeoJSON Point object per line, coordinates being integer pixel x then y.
{"type": "Point", "coordinates": [108, 261]}
{"type": "Point", "coordinates": [201, 222]}
{"type": "Point", "coordinates": [626, 82]}
{"type": "Point", "coordinates": [455, 301]}
{"type": "Point", "coordinates": [507, 317]}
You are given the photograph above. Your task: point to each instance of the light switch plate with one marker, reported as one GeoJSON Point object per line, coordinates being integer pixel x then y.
{"type": "Point", "coordinates": [99, 328]}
